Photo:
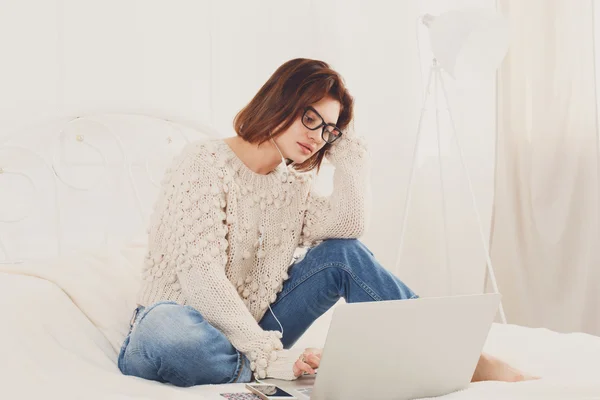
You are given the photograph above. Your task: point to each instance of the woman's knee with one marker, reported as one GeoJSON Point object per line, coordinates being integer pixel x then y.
{"type": "Point", "coordinates": [163, 331]}
{"type": "Point", "coordinates": [338, 259]}
{"type": "Point", "coordinates": [165, 321]}
{"type": "Point", "coordinates": [351, 252]}
{"type": "Point", "coordinates": [174, 343]}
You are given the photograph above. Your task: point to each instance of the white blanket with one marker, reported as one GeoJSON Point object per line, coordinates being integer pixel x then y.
{"type": "Point", "coordinates": [63, 323]}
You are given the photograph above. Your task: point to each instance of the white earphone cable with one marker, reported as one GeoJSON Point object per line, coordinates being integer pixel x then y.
{"type": "Point", "coordinates": [281, 154]}
{"type": "Point", "coordinates": [274, 316]}
{"type": "Point", "coordinates": [286, 167]}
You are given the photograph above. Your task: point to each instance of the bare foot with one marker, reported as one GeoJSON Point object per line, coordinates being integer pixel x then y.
{"type": "Point", "coordinates": [490, 368]}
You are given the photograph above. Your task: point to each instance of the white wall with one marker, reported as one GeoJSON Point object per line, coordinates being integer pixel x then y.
{"type": "Point", "coordinates": [204, 60]}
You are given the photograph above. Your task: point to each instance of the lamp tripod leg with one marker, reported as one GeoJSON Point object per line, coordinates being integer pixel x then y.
{"type": "Point", "coordinates": [412, 172]}
{"type": "Point", "coordinates": [490, 268]}
{"type": "Point", "coordinates": [445, 261]}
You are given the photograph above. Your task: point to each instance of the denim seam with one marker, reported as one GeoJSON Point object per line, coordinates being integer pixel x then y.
{"type": "Point", "coordinates": [343, 267]}
{"type": "Point", "coordinates": [239, 368]}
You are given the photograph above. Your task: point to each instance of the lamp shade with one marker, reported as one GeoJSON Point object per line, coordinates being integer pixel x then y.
{"type": "Point", "coordinates": [468, 42]}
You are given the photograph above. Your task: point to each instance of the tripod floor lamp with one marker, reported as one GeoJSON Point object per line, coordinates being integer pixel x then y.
{"type": "Point", "coordinates": [465, 44]}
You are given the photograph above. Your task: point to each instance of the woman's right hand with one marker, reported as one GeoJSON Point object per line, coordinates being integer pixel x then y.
{"type": "Point", "coordinates": [308, 361]}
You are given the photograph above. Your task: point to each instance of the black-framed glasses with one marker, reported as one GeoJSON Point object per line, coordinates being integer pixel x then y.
{"type": "Point", "coordinates": [313, 121]}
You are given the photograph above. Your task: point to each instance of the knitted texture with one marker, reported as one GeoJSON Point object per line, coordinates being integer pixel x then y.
{"type": "Point", "coordinates": [222, 237]}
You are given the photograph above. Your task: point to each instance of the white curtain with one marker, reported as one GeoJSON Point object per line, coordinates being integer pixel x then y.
{"type": "Point", "coordinates": [545, 241]}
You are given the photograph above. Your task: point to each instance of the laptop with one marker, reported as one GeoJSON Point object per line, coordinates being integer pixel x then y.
{"type": "Point", "coordinates": [400, 349]}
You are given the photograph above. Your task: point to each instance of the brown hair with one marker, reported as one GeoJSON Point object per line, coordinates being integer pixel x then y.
{"type": "Point", "coordinates": [293, 86]}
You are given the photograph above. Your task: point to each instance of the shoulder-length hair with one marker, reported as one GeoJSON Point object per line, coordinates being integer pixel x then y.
{"type": "Point", "coordinates": [295, 85]}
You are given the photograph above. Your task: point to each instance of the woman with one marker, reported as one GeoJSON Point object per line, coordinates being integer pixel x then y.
{"type": "Point", "coordinates": [217, 302]}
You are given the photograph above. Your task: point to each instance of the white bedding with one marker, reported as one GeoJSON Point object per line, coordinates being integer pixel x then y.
{"type": "Point", "coordinates": [63, 323]}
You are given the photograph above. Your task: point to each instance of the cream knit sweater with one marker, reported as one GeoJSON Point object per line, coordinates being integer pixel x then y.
{"type": "Point", "coordinates": [222, 238]}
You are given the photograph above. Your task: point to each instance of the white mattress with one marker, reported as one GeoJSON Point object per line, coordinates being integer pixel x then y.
{"type": "Point", "coordinates": [63, 322]}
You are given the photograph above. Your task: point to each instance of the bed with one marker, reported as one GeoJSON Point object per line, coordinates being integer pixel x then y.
{"type": "Point", "coordinates": [75, 199]}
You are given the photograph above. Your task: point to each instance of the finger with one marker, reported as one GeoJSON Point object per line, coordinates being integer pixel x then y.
{"type": "Point", "coordinates": [316, 351]}
{"type": "Point", "coordinates": [304, 367]}
{"type": "Point", "coordinates": [308, 369]}
{"type": "Point", "coordinates": [301, 368]}
{"type": "Point", "coordinates": [297, 371]}
{"type": "Point", "coordinates": [298, 368]}
{"type": "Point", "coordinates": [313, 360]}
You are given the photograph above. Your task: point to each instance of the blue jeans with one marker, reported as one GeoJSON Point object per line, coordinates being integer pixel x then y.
{"type": "Point", "coordinates": [171, 343]}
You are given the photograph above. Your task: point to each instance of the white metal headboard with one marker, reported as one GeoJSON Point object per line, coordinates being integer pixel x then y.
{"type": "Point", "coordinates": [47, 169]}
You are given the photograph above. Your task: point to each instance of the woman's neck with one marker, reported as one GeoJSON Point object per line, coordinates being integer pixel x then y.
{"type": "Point", "coordinates": [261, 159]}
